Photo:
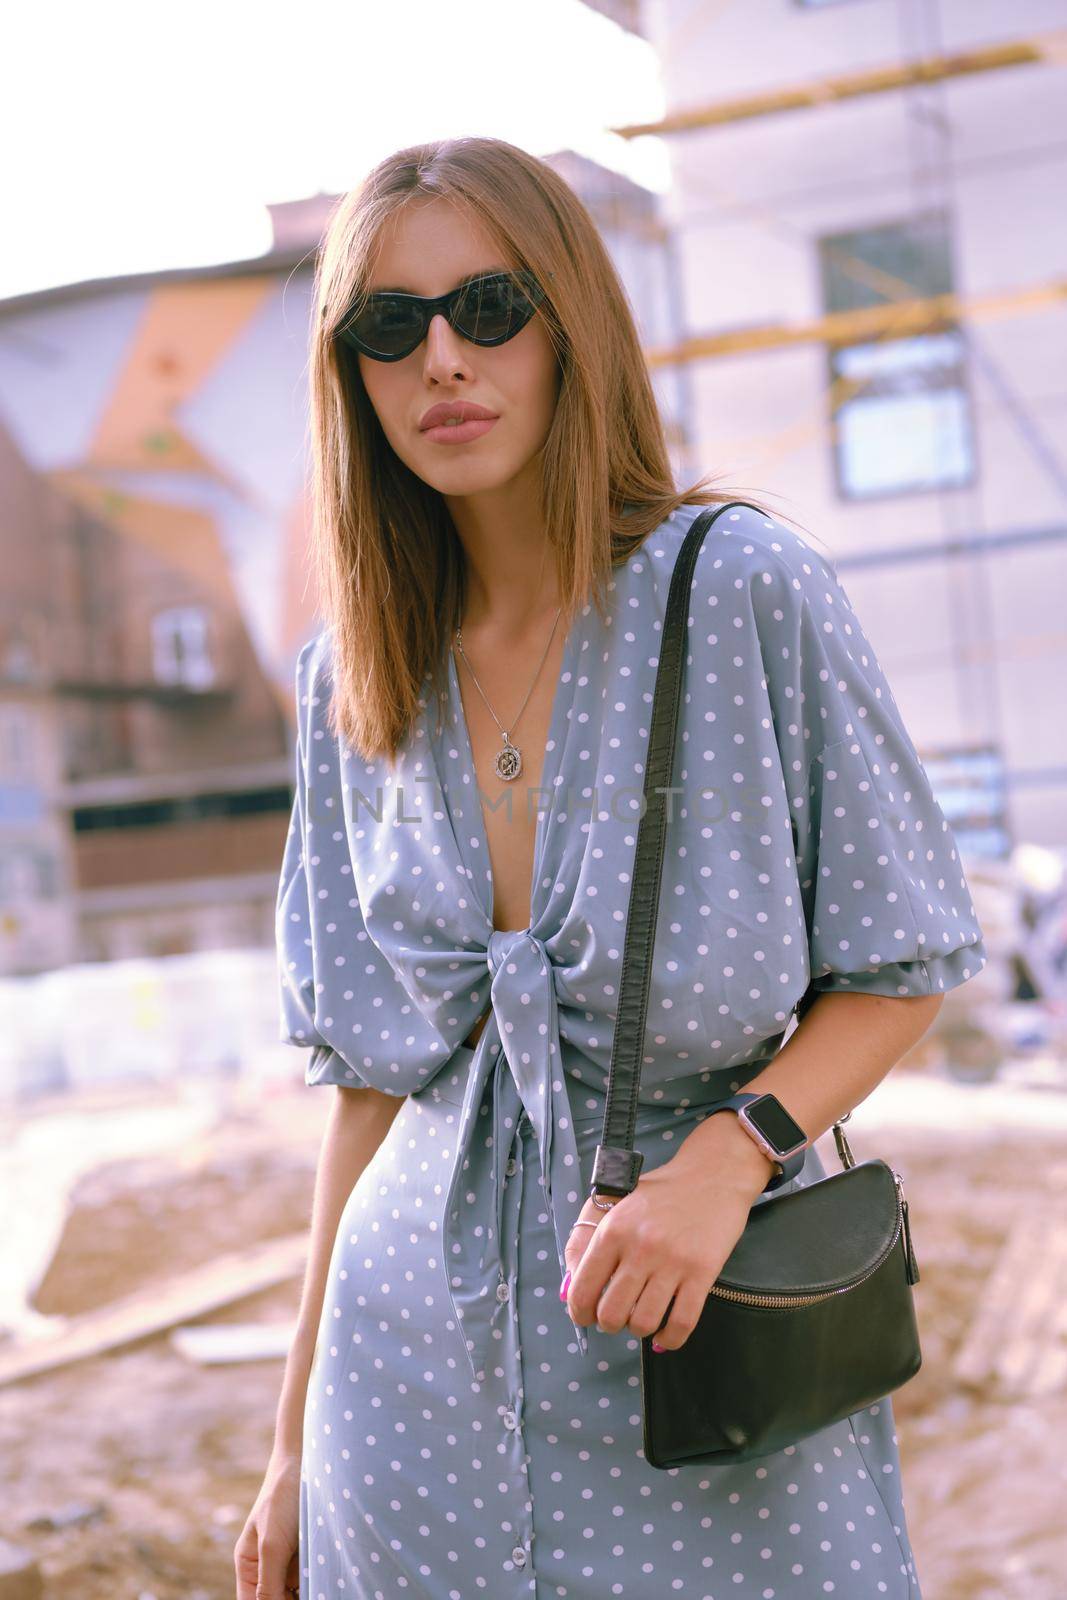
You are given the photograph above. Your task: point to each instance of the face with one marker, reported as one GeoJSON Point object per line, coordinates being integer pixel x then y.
{"type": "Point", "coordinates": [428, 249]}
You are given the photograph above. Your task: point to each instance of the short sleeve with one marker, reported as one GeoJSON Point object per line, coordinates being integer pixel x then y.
{"type": "Point", "coordinates": [886, 901]}
{"type": "Point", "coordinates": [885, 896]}
{"type": "Point", "coordinates": [295, 933]}
{"type": "Point", "coordinates": [341, 995]}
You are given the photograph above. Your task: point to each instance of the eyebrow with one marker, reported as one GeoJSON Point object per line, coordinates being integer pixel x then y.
{"type": "Point", "coordinates": [483, 272]}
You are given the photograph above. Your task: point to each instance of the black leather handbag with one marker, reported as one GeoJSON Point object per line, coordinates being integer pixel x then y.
{"type": "Point", "coordinates": [812, 1317]}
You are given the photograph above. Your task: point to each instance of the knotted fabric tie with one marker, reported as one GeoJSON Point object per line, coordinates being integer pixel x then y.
{"type": "Point", "coordinates": [520, 1055]}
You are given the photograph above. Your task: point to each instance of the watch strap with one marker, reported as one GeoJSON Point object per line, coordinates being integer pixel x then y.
{"type": "Point", "coordinates": [789, 1165]}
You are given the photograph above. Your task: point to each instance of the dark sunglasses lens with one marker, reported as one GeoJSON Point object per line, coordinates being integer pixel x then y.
{"type": "Point", "coordinates": [388, 324]}
{"type": "Point", "coordinates": [492, 309]}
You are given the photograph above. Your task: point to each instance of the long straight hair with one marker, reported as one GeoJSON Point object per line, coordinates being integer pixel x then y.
{"type": "Point", "coordinates": [388, 562]}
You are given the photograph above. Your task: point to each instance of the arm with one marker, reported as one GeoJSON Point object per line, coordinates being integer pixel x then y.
{"type": "Point", "coordinates": [672, 1235]}
{"type": "Point", "coordinates": [886, 911]}
{"type": "Point", "coordinates": [358, 1121]}
{"type": "Point", "coordinates": [833, 1059]}
{"type": "Point", "coordinates": [267, 1550]}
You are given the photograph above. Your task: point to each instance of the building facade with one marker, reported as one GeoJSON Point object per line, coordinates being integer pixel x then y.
{"type": "Point", "coordinates": [872, 262]}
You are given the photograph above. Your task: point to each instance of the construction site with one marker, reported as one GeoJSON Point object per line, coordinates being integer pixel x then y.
{"type": "Point", "coordinates": [850, 288]}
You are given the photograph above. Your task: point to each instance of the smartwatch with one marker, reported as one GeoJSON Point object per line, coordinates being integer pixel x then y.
{"type": "Point", "coordinates": [767, 1122]}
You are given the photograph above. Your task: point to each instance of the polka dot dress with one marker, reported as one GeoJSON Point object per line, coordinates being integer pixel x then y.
{"type": "Point", "coordinates": [462, 1436]}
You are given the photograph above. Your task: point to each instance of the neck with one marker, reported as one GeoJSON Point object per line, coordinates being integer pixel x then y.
{"type": "Point", "coordinates": [512, 584]}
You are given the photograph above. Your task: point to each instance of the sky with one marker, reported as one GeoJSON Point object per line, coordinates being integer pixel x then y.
{"type": "Point", "coordinates": [138, 137]}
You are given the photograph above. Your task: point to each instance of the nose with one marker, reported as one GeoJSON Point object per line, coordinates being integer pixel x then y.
{"type": "Point", "coordinates": [447, 352]}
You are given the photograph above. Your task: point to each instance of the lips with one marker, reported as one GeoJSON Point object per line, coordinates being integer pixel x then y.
{"type": "Point", "coordinates": [453, 411]}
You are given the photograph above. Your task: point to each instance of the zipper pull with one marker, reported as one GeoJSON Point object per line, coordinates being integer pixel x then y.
{"type": "Point", "coordinates": [909, 1253]}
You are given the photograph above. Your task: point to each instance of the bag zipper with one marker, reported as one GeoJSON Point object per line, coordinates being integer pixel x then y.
{"type": "Point", "coordinates": [751, 1297]}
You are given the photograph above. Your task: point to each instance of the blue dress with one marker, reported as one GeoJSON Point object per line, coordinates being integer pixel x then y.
{"type": "Point", "coordinates": [462, 1436]}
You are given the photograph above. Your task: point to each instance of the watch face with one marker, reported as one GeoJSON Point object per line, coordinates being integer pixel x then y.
{"type": "Point", "coordinates": [771, 1118]}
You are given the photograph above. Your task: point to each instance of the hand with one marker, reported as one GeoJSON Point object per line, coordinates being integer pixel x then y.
{"type": "Point", "coordinates": [266, 1556]}
{"type": "Point", "coordinates": [669, 1237]}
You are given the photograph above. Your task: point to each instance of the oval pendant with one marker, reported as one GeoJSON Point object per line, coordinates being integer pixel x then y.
{"type": "Point", "coordinates": [508, 762]}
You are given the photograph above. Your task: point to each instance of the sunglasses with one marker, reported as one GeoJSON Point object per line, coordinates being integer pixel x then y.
{"type": "Point", "coordinates": [490, 308]}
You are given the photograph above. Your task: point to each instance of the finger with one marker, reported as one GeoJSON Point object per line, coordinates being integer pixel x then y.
{"type": "Point", "coordinates": [580, 1238]}
{"type": "Point", "coordinates": [619, 1297]}
{"type": "Point", "coordinates": [589, 1279]}
{"type": "Point", "coordinates": [652, 1305]}
{"type": "Point", "coordinates": [689, 1300]}
{"type": "Point", "coordinates": [578, 1243]}
{"type": "Point", "coordinates": [246, 1566]}
{"type": "Point", "coordinates": [273, 1560]}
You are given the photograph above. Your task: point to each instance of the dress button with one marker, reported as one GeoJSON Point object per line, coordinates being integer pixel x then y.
{"type": "Point", "coordinates": [510, 1419]}
{"type": "Point", "coordinates": [512, 1167]}
{"type": "Point", "coordinates": [503, 1292]}
{"type": "Point", "coordinates": [518, 1555]}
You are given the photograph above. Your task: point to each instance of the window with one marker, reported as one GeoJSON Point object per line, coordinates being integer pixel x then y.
{"type": "Point", "coordinates": [180, 652]}
{"type": "Point", "coordinates": [16, 743]}
{"type": "Point", "coordinates": [971, 789]}
{"type": "Point", "coordinates": [47, 874]}
{"type": "Point", "coordinates": [18, 661]}
{"type": "Point", "coordinates": [28, 874]}
{"type": "Point", "coordinates": [902, 413]}
{"type": "Point", "coordinates": [169, 812]}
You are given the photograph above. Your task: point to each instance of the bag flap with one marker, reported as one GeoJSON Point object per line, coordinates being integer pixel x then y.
{"type": "Point", "coordinates": [819, 1237]}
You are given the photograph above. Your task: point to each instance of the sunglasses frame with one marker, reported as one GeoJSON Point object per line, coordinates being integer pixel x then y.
{"type": "Point", "coordinates": [428, 306]}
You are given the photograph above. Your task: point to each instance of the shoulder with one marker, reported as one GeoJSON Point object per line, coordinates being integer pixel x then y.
{"type": "Point", "coordinates": [313, 664]}
{"type": "Point", "coordinates": [748, 545]}
{"type": "Point", "coordinates": [763, 566]}
{"type": "Point", "coordinates": [311, 679]}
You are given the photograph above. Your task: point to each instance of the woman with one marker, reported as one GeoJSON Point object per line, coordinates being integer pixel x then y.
{"type": "Point", "coordinates": [471, 729]}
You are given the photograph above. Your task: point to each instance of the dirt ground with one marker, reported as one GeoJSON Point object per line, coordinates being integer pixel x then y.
{"type": "Point", "coordinates": [130, 1475]}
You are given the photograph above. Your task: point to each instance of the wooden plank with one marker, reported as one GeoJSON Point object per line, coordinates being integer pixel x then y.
{"type": "Point", "coordinates": [1034, 50]}
{"type": "Point", "coordinates": [893, 319]}
{"type": "Point", "coordinates": [1017, 1343]}
{"type": "Point", "coordinates": [151, 1310]}
{"type": "Point", "coordinates": [1050, 1374]}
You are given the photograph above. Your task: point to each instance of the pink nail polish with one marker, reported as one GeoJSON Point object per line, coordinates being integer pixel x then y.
{"type": "Point", "coordinates": [563, 1285]}
{"type": "Point", "coordinates": [656, 1346]}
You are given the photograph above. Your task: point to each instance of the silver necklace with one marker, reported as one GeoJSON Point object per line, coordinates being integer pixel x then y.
{"type": "Point", "coordinates": [508, 763]}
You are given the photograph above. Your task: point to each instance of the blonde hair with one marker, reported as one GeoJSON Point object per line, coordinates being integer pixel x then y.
{"type": "Point", "coordinates": [388, 562]}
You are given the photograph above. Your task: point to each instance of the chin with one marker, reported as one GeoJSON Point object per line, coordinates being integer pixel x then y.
{"type": "Point", "coordinates": [467, 477]}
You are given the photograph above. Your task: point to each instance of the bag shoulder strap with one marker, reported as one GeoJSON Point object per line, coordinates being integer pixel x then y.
{"type": "Point", "coordinates": [617, 1165]}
